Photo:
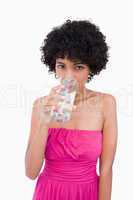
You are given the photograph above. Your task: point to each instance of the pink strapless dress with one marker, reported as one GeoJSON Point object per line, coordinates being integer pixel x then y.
{"type": "Point", "coordinates": [70, 171]}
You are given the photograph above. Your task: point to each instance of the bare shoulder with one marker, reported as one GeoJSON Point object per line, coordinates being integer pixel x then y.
{"type": "Point", "coordinates": [95, 93]}
{"type": "Point", "coordinates": [109, 106]}
{"type": "Point", "coordinates": [96, 96]}
{"type": "Point", "coordinates": [106, 97]}
{"type": "Point", "coordinates": [109, 100]}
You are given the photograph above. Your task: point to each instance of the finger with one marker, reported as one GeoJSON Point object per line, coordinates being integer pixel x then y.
{"type": "Point", "coordinates": [52, 97]}
{"type": "Point", "coordinates": [57, 88]}
{"type": "Point", "coordinates": [74, 107]}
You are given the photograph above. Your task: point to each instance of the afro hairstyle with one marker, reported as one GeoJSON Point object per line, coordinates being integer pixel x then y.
{"type": "Point", "coordinates": [77, 40]}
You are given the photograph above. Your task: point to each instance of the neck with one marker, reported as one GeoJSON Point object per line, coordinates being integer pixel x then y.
{"type": "Point", "coordinates": [81, 93]}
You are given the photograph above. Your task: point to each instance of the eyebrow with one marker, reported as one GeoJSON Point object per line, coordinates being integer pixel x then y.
{"type": "Point", "coordinates": [75, 62]}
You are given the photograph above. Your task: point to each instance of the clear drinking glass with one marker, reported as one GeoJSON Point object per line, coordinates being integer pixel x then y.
{"type": "Point", "coordinates": [62, 111]}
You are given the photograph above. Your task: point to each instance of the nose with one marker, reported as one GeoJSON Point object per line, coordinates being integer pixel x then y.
{"type": "Point", "coordinates": [69, 74]}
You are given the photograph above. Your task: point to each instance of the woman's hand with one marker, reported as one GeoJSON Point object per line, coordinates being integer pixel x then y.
{"type": "Point", "coordinates": [47, 103]}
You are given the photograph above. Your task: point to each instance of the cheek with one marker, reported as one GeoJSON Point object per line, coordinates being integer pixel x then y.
{"type": "Point", "coordinates": [59, 72]}
{"type": "Point", "coordinates": [82, 79]}
{"type": "Point", "coordinates": [86, 73]}
{"type": "Point", "coordinates": [84, 76]}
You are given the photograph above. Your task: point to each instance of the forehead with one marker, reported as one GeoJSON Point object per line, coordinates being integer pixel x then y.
{"type": "Point", "coordinates": [64, 60]}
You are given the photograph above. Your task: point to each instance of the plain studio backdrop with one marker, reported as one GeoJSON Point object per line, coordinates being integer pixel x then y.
{"type": "Point", "coordinates": [23, 78]}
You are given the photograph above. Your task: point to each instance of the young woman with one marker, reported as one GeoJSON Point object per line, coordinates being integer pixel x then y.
{"type": "Point", "coordinates": [71, 149]}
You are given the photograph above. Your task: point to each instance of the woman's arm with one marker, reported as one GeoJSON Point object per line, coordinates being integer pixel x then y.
{"type": "Point", "coordinates": [34, 155]}
{"type": "Point", "coordinates": [110, 134]}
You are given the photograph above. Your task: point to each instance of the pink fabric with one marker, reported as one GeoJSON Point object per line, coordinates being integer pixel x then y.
{"type": "Point", "coordinates": [70, 165]}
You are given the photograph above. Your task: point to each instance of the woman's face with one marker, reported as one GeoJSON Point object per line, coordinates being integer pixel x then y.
{"type": "Point", "coordinates": [76, 69]}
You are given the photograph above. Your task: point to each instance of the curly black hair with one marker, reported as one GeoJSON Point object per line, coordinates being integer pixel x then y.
{"type": "Point", "coordinates": [77, 40]}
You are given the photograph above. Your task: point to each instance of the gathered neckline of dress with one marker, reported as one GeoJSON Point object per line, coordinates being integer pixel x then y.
{"type": "Point", "coordinates": [78, 130]}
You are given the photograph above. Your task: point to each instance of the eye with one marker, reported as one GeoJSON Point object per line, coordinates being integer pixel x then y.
{"type": "Point", "coordinates": [59, 66]}
{"type": "Point", "coordinates": [80, 66]}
